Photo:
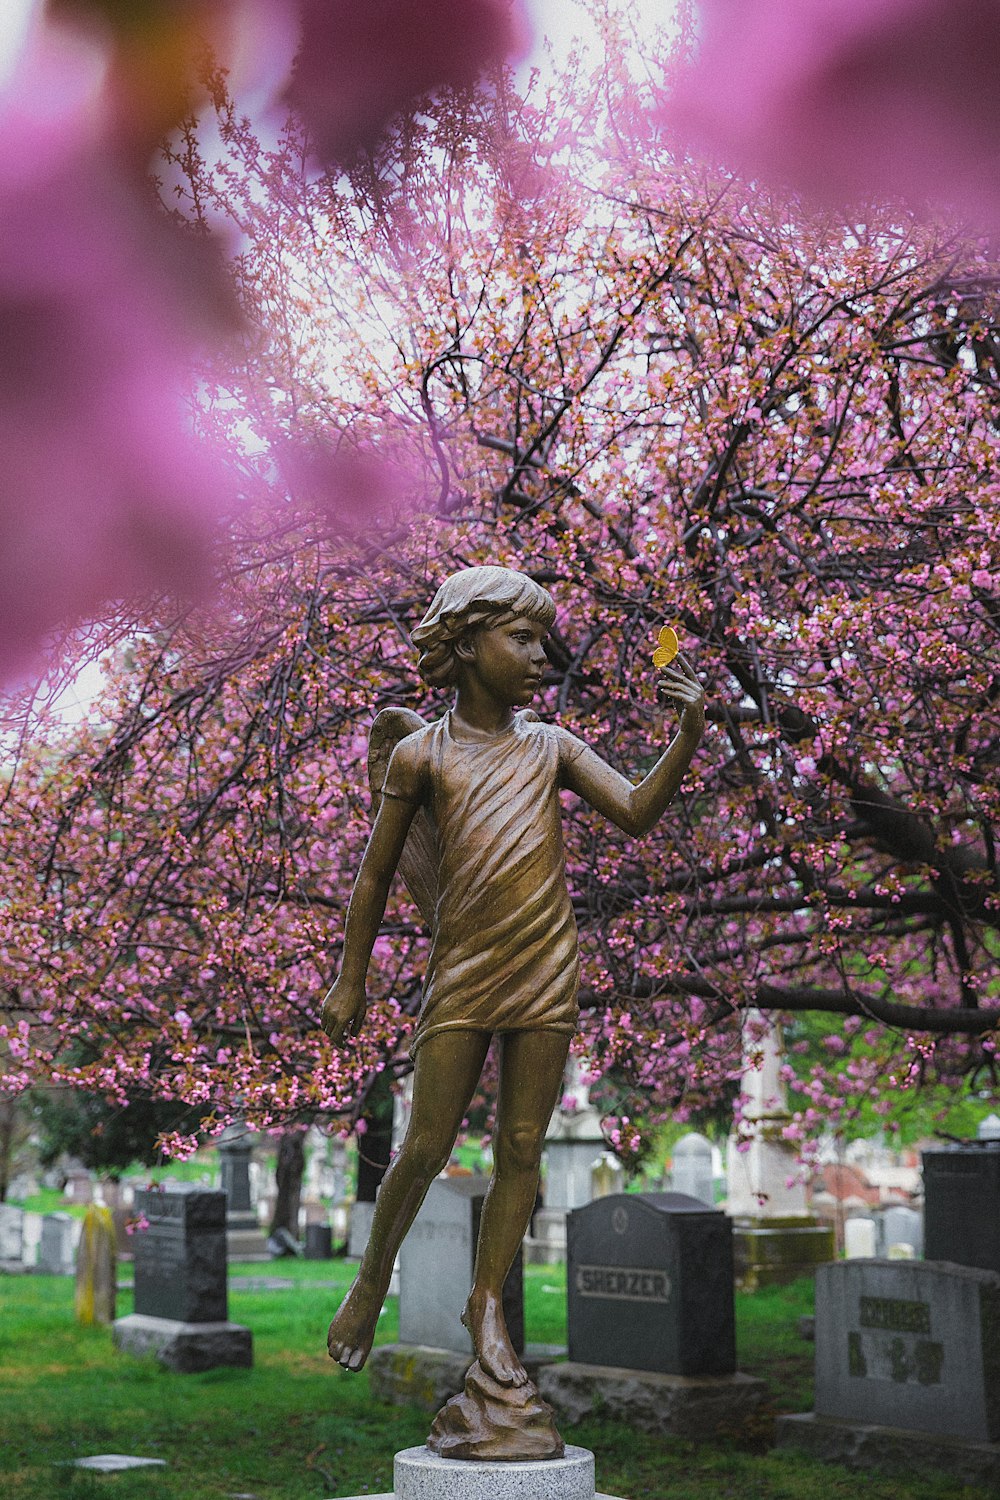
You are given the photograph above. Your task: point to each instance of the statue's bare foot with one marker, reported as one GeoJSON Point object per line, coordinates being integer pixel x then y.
{"type": "Point", "coordinates": [483, 1317]}
{"type": "Point", "coordinates": [352, 1331]}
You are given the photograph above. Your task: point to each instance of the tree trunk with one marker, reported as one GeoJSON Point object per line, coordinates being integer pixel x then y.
{"type": "Point", "coordinates": [291, 1166]}
{"type": "Point", "coordinates": [375, 1145]}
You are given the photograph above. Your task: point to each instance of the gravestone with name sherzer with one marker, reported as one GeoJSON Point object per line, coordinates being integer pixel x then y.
{"type": "Point", "coordinates": [651, 1319]}
{"type": "Point", "coordinates": [650, 1285]}
{"type": "Point", "coordinates": [911, 1345]}
{"type": "Point", "coordinates": [181, 1295]}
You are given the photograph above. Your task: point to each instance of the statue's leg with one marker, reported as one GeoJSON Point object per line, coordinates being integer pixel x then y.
{"type": "Point", "coordinates": [531, 1074]}
{"type": "Point", "coordinates": [445, 1074]}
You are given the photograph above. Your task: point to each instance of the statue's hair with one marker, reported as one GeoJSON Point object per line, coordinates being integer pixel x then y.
{"type": "Point", "coordinates": [469, 600]}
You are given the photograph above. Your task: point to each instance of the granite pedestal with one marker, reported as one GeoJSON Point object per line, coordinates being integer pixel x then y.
{"type": "Point", "coordinates": [420, 1475]}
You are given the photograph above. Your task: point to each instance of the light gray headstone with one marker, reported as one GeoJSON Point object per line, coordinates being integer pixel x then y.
{"type": "Point", "coordinates": [900, 1225]}
{"type": "Point", "coordinates": [910, 1344]}
{"type": "Point", "coordinates": [11, 1232]}
{"type": "Point", "coordinates": [435, 1268]}
{"type": "Point", "coordinates": [57, 1246]}
{"type": "Point", "coordinates": [860, 1239]}
{"type": "Point", "coordinates": [568, 1168]}
{"type": "Point", "coordinates": [691, 1172]}
{"type": "Point", "coordinates": [31, 1227]}
{"type": "Point", "coordinates": [361, 1217]}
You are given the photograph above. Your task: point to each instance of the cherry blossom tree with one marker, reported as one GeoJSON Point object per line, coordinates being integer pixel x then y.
{"type": "Point", "coordinates": [544, 336]}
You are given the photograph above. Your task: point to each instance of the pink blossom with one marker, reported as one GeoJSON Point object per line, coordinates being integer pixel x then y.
{"type": "Point", "coordinates": [107, 493]}
{"type": "Point", "coordinates": [883, 97]}
{"type": "Point", "coordinates": [359, 65]}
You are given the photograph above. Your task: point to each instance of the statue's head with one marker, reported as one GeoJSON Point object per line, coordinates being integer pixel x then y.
{"type": "Point", "coordinates": [474, 599]}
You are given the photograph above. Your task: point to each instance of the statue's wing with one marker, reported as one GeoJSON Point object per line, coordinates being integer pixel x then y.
{"type": "Point", "coordinates": [418, 863]}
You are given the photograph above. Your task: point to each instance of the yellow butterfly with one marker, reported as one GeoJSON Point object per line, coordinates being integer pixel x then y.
{"type": "Point", "coordinates": [667, 648]}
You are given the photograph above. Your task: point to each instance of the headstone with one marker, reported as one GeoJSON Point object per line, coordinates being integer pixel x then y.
{"type": "Point", "coordinates": [898, 1226]}
{"type": "Point", "coordinates": [79, 1186]}
{"type": "Point", "coordinates": [31, 1227]}
{"type": "Point", "coordinates": [989, 1129]}
{"type": "Point", "coordinates": [360, 1227]}
{"type": "Point", "coordinates": [909, 1344]}
{"type": "Point", "coordinates": [95, 1268]}
{"type": "Point", "coordinates": [181, 1303]}
{"type": "Point", "coordinates": [859, 1238]}
{"type": "Point", "coordinates": [435, 1269]}
{"type": "Point", "coordinates": [606, 1176]}
{"type": "Point", "coordinates": [691, 1169]}
{"type": "Point", "coordinates": [57, 1246]}
{"type": "Point", "coordinates": [180, 1258]}
{"type": "Point", "coordinates": [319, 1242]}
{"type": "Point", "coordinates": [962, 1204]}
{"type": "Point", "coordinates": [11, 1232]}
{"type": "Point", "coordinates": [24, 1185]}
{"type": "Point", "coordinates": [574, 1142]}
{"type": "Point", "coordinates": [650, 1285]}
{"type": "Point", "coordinates": [244, 1239]}
{"type": "Point", "coordinates": [776, 1239]}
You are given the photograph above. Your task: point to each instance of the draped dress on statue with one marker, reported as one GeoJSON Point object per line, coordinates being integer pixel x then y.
{"type": "Point", "coordinates": [504, 942]}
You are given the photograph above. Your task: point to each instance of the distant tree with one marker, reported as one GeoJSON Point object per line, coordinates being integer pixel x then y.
{"type": "Point", "coordinates": [666, 396]}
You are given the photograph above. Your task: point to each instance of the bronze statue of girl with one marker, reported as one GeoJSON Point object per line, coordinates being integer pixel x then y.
{"type": "Point", "coordinates": [477, 795]}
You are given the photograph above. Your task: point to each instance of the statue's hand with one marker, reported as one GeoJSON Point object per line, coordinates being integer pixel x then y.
{"type": "Point", "coordinates": [680, 685]}
{"type": "Point", "coordinates": [343, 1011]}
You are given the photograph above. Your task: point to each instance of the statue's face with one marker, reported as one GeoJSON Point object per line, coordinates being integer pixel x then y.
{"type": "Point", "coordinates": [509, 659]}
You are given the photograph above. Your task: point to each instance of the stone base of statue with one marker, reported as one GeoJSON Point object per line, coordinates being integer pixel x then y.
{"type": "Point", "coordinates": [187, 1348]}
{"type": "Point", "coordinates": [419, 1474]}
{"type": "Point", "coordinates": [491, 1422]}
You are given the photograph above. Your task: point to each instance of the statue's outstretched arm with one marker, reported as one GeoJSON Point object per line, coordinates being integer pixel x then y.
{"type": "Point", "coordinates": [636, 809]}
{"type": "Point", "coordinates": [345, 1003]}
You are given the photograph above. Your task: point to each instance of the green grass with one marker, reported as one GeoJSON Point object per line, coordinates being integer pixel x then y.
{"type": "Point", "coordinates": [296, 1428]}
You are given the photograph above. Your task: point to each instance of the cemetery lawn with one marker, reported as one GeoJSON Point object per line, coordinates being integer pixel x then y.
{"type": "Point", "coordinates": [295, 1428]}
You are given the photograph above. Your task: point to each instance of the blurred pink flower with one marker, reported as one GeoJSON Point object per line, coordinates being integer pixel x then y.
{"type": "Point", "coordinates": [891, 98]}
{"type": "Point", "coordinates": [105, 490]}
{"type": "Point", "coordinates": [361, 64]}
{"type": "Point", "coordinates": [346, 486]}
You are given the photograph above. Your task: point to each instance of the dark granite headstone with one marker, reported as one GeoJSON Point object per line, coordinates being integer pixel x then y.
{"type": "Point", "coordinates": [235, 1147]}
{"type": "Point", "coordinates": [319, 1242]}
{"type": "Point", "coordinates": [180, 1260]}
{"type": "Point", "coordinates": [962, 1204]}
{"type": "Point", "coordinates": [650, 1285]}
